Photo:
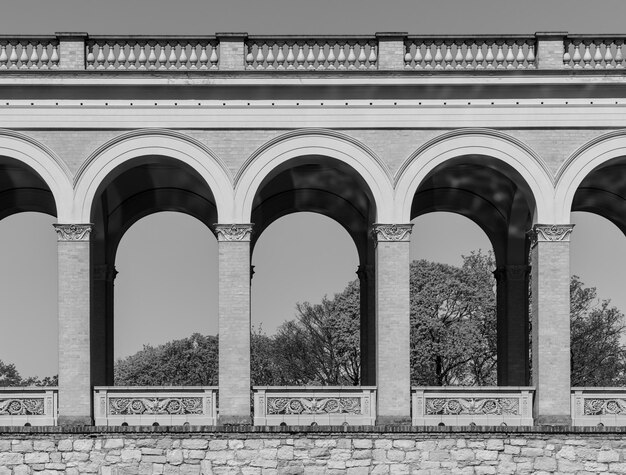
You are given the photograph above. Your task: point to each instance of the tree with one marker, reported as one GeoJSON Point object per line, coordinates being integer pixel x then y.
{"type": "Point", "coordinates": [453, 321]}
{"type": "Point", "coordinates": [191, 361]}
{"type": "Point", "coordinates": [597, 356]}
{"type": "Point", "coordinates": [9, 376]}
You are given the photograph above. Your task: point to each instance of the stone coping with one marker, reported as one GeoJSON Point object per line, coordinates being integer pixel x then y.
{"type": "Point", "coordinates": [314, 430]}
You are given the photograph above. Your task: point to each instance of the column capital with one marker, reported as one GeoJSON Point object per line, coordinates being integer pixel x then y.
{"type": "Point", "coordinates": [392, 232]}
{"type": "Point", "coordinates": [550, 233]}
{"type": "Point", "coordinates": [512, 273]}
{"type": "Point", "coordinates": [73, 232]}
{"type": "Point", "coordinates": [105, 272]}
{"type": "Point", "coordinates": [365, 272]}
{"type": "Point", "coordinates": [233, 232]}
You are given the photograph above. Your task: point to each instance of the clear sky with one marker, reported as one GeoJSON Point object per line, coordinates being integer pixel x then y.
{"type": "Point", "coordinates": [167, 290]}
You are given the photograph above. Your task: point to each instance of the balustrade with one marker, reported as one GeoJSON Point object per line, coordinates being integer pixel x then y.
{"type": "Point", "coordinates": [149, 405]}
{"type": "Point", "coordinates": [153, 53]}
{"type": "Point", "coordinates": [29, 53]}
{"type": "Point", "coordinates": [444, 53]}
{"type": "Point", "coordinates": [598, 406]}
{"type": "Point", "coordinates": [307, 405]}
{"type": "Point", "coordinates": [475, 405]}
{"type": "Point", "coordinates": [311, 54]}
{"type": "Point", "coordinates": [598, 52]}
{"type": "Point", "coordinates": [30, 406]}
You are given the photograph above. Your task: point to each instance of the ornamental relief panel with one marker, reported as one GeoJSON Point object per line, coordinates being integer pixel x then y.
{"type": "Point", "coordinates": [155, 405]}
{"type": "Point", "coordinates": [22, 407]}
{"type": "Point", "coordinates": [233, 232]}
{"type": "Point", "coordinates": [550, 233]}
{"type": "Point", "coordinates": [314, 405]}
{"type": "Point", "coordinates": [604, 406]}
{"type": "Point", "coordinates": [392, 232]}
{"type": "Point", "coordinates": [73, 232]}
{"type": "Point", "coordinates": [472, 406]}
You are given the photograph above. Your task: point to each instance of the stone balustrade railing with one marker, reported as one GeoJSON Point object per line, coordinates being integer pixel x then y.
{"type": "Point", "coordinates": [318, 405]}
{"type": "Point", "coordinates": [34, 52]}
{"type": "Point", "coordinates": [472, 405]}
{"type": "Point", "coordinates": [598, 406]}
{"type": "Point", "coordinates": [478, 52]}
{"type": "Point", "coordinates": [383, 51]}
{"type": "Point", "coordinates": [317, 53]}
{"type": "Point", "coordinates": [594, 52]}
{"type": "Point", "coordinates": [28, 406]}
{"type": "Point", "coordinates": [150, 405]}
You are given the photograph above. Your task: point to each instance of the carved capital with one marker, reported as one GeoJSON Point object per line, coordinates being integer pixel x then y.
{"type": "Point", "coordinates": [550, 233]}
{"type": "Point", "coordinates": [73, 232]}
{"type": "Point", "coordinates": [365, 272]}
{"type": "Point", "coordinates": [233, 232]}
{"type": "Point", "coordinates": [511, 273]}
{"type": "Point", "coordinates": [104, 272]}
{"type": "Point", "coordinates": [392, 232]}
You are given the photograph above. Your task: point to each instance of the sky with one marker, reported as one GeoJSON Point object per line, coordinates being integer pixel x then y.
{"type": "Point", "coordinates": [167, 290]}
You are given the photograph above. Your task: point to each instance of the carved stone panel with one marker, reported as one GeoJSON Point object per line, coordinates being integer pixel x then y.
{"type": "Point", "coordinates": [314, 405]}
{"type": "Point", "coordinates": [472, 406]}
{"type": "Point", "coordinates": [73, 232]}
{"type": "Point", "coordinates": [22, 407]}
{"type": "Point", "coordinates": [233, 232]}
{"type": "Point", "coordinates": [155, 405]}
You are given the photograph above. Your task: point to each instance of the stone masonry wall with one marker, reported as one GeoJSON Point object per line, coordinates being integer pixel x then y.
{"type": "Point", "coordinates": [287, 452]}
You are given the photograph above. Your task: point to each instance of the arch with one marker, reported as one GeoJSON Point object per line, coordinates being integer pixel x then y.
{"type": "Point", "coordinates": [580, 164]}
{"type": "Point", "coordinates": [313, 142]}
{"type": "Point", "coordinates": [485, 142]}
{"type": "Point", "coordinates": [43, 161]}
{"type": "Point", "coordinates": [152, 142]}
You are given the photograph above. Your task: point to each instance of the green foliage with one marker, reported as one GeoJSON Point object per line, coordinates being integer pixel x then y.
{"type": "Point", "coordinates": [597, 356]}
{"type": "Point", "coordinates": [190, 361]}
{"type": "Point", "coordinates": [9, 376]}
{"type": "Point", "coordinates": [453, 322]}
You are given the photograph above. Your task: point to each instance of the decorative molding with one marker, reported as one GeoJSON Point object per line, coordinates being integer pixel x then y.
{"type": "Point", "coordinates": [314, 405]}
{"type": "Point", "coordinates": [392, 232]}
{"type": "Point", "coordinates": [511, 273]}
{"type": "Point", "coordinates": [472, 406]}
{"type": "Point", "coordinates": [105, 272]}
{"type": "Point", "coordinates": [604, 406]}
{"type": "Point", "coordinates": [22, 407]}
{"type": "Point", "coordinates": [233, 232]}
{"type": "Point", "coordinates": [550, 233]}
{"type": "Point", "coordinates": [73, 232]}
{"type": "Point", "coordinates": [155, 405]}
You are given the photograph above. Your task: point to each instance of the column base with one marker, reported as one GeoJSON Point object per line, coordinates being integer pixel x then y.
{"type": "Point", "coordinates": [558, 420]}
{"type": "Point", "coordinates": [74, 421]}
{"type": "Point", "coordinates": [234, 420]}
{"type": "Point", "coordinates": [393, 421]}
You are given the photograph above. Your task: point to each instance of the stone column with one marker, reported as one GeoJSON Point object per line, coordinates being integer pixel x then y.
{"type": "Point", "coordinates": [512, 309]}
{"type": "Point", "coordinates": [73, 302]}
{"type": "Point", "coordinates": [102, 325]}
{"type": "Point", "coordinates": [551, 323]}
{"type": "Point", "coordinates": [367, 295]}
{"type": "Point", "coordinates": [393, 371]}
{"type": "Point", "coordinates": [234, 322]}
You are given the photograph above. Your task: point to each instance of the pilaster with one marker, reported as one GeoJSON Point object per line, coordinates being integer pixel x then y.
{"type": "Point", "coordinates": [74, 329]}
{"type": "Point", "coordinates": [234, 322]}
{"type": "Point", "coordinates": [551, 323]}
{"type": "Point", "coordinates": [393, 372]}
{"type": "Point", "coordinates": [72, 50]}
{"type": "Point", "coordinates": [391, 50]}
{"type": "Point", "coordinates": [232, 51]}
{"type": "Point", "coordinates": [550, 49]}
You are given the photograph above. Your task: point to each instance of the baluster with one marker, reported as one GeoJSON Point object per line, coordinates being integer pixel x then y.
{"type": "Point", "coordinates": [408, 57]}
{"type": "Point", "coordinates": [448, 56]}
{"type": "Point", "coordinates": [172, 58]}
{"type": "Point", "coordinates": [280, 56]}
{"type": "Point", "coordinates": [438, 56]}
{"type": "Point", "coordinates": [372, 57]}
{"type": "Point", "coordinates": [152, 57]}
{"type": "Point", "coordinates": [608, 55]}
{"type": "Point", "coordinates": [597, 55]}
{"type": "Point", "coordinates": [13, 56]}
{"type": "Point", "coordinates": [331, 56]}
{"type": "Point", "coordinates": [362, 59]}
{"type": "Point", "coordinates": [162, 58]}
{"type": "Point", "coordinates": [310, 57]}
{"type": "Point", "coordinates": [480, 57]}
{"type": "Point", "coordinates": [213, 59]}
{"type": "Point", "coordinates": [418, 56]}
{"type": "Point", "coordinates": [204, 58]}
{"type": "Point", "coordinates": [428, 57]}
{"type": "Point", "coordinates": [34, 57]}
{"type": "Point", "coordinates": [300, 57]}
{"type": "Point", "coordinates": [100, 57]}
{"type": "Point", "coordinates": [458, 58]}
{"type": "Point", "coordinates": [587, 55]}
{"type": "Point", "coordinates": [4, 58]}
{"type": "Point", "coordinates": [121, 57]}
{"type": "Point", "coordinates": [499, 57]}
{"type": "Point", "coordinates": [24, 56]}
{"type": "Point", "coordinates": [270, 56]}
{"type": "Point", "coordinates": [290, 57]}
{"type": "Point", "coordinates": [351, 57]}
{"type": "Point", "coordinates": [111, 57]}
{"type": "Point", "coordinates": [530, 56]}
{"type": "Point", "coordinates": [341, 59]}
{"type": "Point", "coordinates": [193, 56]}
{"type": "Point", "coordinates": [520, 54]}
{"type": "Point", "coordinates": [142, 56]}
{"type": "Point", "coordinates": [54, 58]}
{"type": "Point", "coordinates": [321, 58]}
{"type": "Point", "coordinates": [250, 57]}
{"type": "Point", "coordinates": [469, 56]}
{"type": "Point", "coordinates": [567, 57]}
{"type": "Point", "coordinates": [260, 57]}
{"type": "Point", "coordinates": [510, 57]}
{"type": "Point", "coordinates": [91, 58]}
{"type": "Point", "coordinates": [577, 56]}
{"type": "Point", "coordinates": [619, 59]}
{"type": "Point", "coordinates": [489, 57]}
{"type": "Point", "coordinates": [44, 56]}
{"type": "Point", "coordinates": [132, 60]}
